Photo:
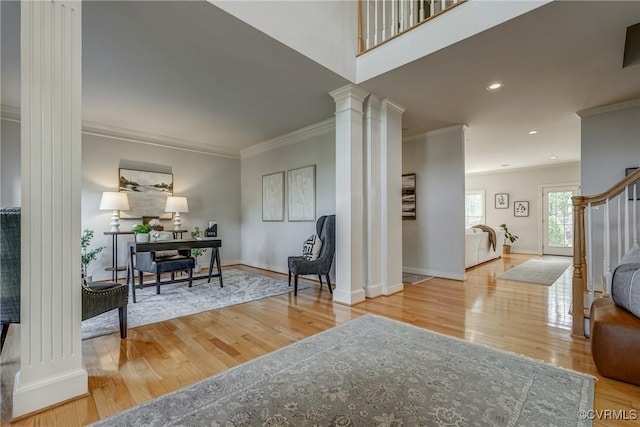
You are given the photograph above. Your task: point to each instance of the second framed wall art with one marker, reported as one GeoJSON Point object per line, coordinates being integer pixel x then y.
{"type": "Point", "coordinates": [301, 189]}
{"type": "Point", "coordinates": [521, 208]}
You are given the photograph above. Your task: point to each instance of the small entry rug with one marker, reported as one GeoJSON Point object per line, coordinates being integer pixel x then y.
{"type": "Point", "coordinates": [373, 371]}
{"type": "Point", "coordinates": [177, 300]}
{"type": "Point", "coordinates": [539, 271]}
{"type": "Point", "coordinates": [412, 279]}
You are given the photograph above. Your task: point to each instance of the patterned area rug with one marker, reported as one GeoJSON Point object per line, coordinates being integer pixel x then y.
{"type": "Point", "coordinates": [373, 371]}
{"type": "Point", "coordinates": [177, 300]}
{"type": "Point", "coordinates": [539, 271]}
{"type": "Point", "coordinates": [412, 279]}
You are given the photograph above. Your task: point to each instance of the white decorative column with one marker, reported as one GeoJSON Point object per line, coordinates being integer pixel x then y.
{"type": "Point", "coordinates": [349, 195]}
{"type": "Point", "coordinates": [373, 185]}
{"type": "Point", "coordinates": [50, 348]}
{"type": "Point", "coordinates": [391, 197]}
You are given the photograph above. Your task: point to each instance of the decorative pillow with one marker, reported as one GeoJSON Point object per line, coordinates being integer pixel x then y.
{"type": "Point", "coordinates": [311, 248]}
{"type": "Point", "coordinates": [625, 287]}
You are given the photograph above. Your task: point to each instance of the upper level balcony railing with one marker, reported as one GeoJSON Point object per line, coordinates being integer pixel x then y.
{"type": "Point", "coordinates": [382, 20]}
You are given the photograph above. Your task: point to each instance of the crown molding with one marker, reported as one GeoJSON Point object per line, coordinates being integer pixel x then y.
{"type": "Point", "coordinates": [524, 168]}
{"type": "Point", "coordinates": [294, 137]}
{"type": "Point", "coordinates": [108, 131]}
{"type": "Point", "coordinates": [435, 132]}
{"type": "Point", "coordinates": [609, 108]}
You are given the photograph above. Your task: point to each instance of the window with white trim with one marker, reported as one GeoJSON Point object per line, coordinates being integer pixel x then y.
{"type": "Point", "coordinates": [473, 208]}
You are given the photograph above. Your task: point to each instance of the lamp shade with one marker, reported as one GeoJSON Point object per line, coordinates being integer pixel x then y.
{"type": "Point", "coordinates": [114, 201]}
{"type": "Point", "coordinates": [176, 204]}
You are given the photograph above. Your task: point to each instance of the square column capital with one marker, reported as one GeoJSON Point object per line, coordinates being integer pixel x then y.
{"type": "Point", "coordinates": [349, 97]}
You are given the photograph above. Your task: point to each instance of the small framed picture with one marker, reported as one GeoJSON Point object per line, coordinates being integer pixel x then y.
{"type": "Point", "coordinates": [520, 208]}
{"type": "Point", "coordinates": [502, 201]}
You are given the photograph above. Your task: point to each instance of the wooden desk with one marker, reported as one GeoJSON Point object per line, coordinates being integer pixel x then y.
{"type": "Point", "coordinates": [167, 245]}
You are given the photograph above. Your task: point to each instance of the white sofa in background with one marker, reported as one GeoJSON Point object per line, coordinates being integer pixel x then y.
{"type": "Point", "coordinates": [477, 249]}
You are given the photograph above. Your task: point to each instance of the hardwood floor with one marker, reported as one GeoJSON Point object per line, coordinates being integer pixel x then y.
{"type": "Point", "coordinates": [156, 359]}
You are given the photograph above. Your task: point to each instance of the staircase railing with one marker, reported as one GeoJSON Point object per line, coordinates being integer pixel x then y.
{"type": "Point", "coordinates": [382, 20]}
{"type": "Point", "coordinates": [605, 225]}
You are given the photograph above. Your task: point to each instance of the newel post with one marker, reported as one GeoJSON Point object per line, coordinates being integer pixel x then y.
{"type": "Point", "coordinates": [579, 266]}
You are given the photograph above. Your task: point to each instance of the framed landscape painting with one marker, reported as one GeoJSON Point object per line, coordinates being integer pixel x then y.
{"type": "Point", "coordinates": [147, 192]}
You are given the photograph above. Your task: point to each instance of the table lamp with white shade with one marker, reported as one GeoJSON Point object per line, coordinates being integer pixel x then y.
{"type": "Point", "coordinates": [116, 202]}
{"type": "Point", "coordinates": [176, 205]}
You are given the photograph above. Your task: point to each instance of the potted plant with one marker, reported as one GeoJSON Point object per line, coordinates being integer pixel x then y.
{"type": "Point", "coordinates": [506, 247]}
{"type": "Point", "coordinates": [142, 232]}
{"type": "Point", "coordinates": [196, 252]}
{"type": "Point", "coordinates": [88, 255]}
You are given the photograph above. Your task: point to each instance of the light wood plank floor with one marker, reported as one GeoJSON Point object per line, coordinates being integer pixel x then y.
{"type": "Point", "coordinates": [156, 359]}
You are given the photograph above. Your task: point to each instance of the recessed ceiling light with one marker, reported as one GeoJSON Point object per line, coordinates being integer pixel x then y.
{"type": "Point", "coordinates": [494, 86]}
{"type": "Point", "coordinates": [533, 132]}
{"type": "Point", "coordinates": [504, 165]}
{"type": "Point", "coordinates": [553, 157]}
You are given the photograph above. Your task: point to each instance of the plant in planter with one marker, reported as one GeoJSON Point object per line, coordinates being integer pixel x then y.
{"type": "Point", "coordinates": [88, 255]}
{"type": "Point", "coordinates": [196, 252]}
{"type": "Point", "coordinates": [142, 232]}
{"type": "Point", "coordinates": [506, 247]}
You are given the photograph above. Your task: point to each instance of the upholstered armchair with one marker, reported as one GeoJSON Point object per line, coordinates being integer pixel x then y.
{"type": "Point", "coordinates": [326, 230]}
{"type": "Point", "coordinates": [9, 269]}
{"type": "Point", "coordinates": [100, 297]}
{"type": "Point", "coordinates": [97, 298]}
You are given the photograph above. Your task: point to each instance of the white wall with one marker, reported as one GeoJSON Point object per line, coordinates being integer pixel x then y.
{"type": "Point", "coordinates": [268, 244]}
{"type": "Point", "coordinates": [521, 185]}
{"type": "Point", "coordinates": [9, 164]}
{"type": "Point", "coordinates": [434, 243]}
{"type": "Point", "coordinates": [324, 31]}
{"type": "Point", "coordinates": [210, 183]}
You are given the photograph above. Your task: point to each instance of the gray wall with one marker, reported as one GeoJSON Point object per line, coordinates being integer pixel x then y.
{"type": "Point", "coordinates": [210, 183]}
{"type": "Point", "coordinates": [523, 184]}
{"type": "Point", "coordinates": [610, 144]}
{"type": "Point", "coordinates": [268, 244]}
{"type": "Point", "coordinates": [434, 243]}
{"type": "Point", "coordinates": [9, 163]}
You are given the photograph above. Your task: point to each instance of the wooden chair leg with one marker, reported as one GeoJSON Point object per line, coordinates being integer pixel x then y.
{"type": "Point", "coordinates": [190, 277]}
{"type": "Point", "coordinates": [329, 284]}
{"type": "Point", "coordinates": [295, 285]}
{"type": "Point", "coordinates": [289, 277]}
{"type": "Point", "coordinates": [122, 313]}
{"type": "Point", "coordinates": [157, 284]}
{"type": "Point", "coordinates": [321, 284]}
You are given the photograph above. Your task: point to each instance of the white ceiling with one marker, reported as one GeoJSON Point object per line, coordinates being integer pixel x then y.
{"type": "Point", "coordinates": [554, 61]}
{"type": "Point", "coordinates": [189, 70]}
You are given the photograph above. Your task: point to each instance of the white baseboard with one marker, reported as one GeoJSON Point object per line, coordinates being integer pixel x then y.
{"type": "Point", "coordinates": [435, 273]}
{"type": "Point", "coordinates": [373, 291]}
{"type": "Point", "coordinates": [352, 297]}
{"type": "Point", "coordinates": [398, 287]}
{"type": "Point", "coordinates": [49, 391]}
{"type": "Point", "coordinates": [275, 268]}
{"type": "Point", "coordinates": [525, 252]}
